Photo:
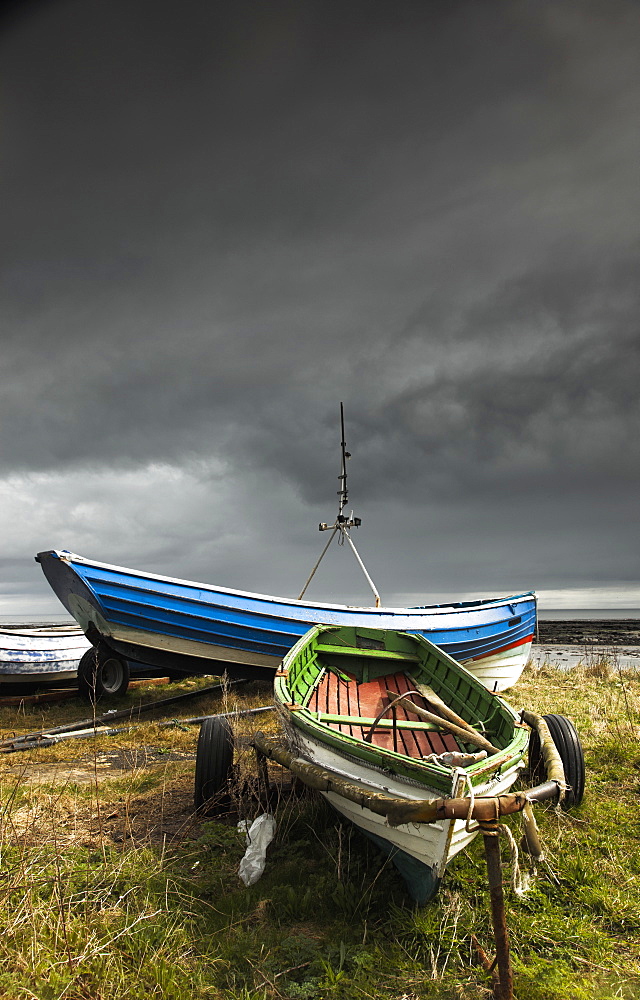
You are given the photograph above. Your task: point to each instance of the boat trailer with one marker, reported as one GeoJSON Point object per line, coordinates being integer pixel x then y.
{"type": "Point", "coordinates": [486, 810]}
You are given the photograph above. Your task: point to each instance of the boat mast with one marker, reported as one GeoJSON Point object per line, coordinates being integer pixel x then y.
{"type": "Point", "coordinates": [342, 523]}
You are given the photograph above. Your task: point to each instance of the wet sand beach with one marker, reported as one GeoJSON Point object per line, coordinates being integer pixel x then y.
{"type": "Point", "coordinates": [605, 631]}
{"type": "Point", "coordinates": [587, 640]}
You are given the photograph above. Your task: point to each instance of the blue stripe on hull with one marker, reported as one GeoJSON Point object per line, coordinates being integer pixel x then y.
{"type": "Point", "coordinates": [253, 623]}
{"type": "Point", "coordinates": [492, 638]}
{"type": "Point", "coordinates": [235, 634]}
{"type": "Point", "coordinates": [235, 628]}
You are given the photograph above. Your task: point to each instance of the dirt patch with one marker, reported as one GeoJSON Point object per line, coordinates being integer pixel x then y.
{"type": "Point", "coordinates": [162, 815]}
{"type": "Point", "coordinates": [152, 819]}
{"type": "Point", "coordinates": [66, 811]}
{"type": "Point", "coordinates": [85, 770]}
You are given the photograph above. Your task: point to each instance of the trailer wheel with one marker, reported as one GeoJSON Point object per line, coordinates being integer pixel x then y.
{"type": "Point", "coordinates": [102, 674]}
{"type": "Point", "coordinates": [214, 760]}
{"type": "Point", "coordinates": [567, 741]}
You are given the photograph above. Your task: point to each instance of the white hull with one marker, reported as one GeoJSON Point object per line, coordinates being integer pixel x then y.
{"type": "Point", "coordinates": [31, 676]}
{"type": "Point", "coordinates": [40, 654]}
{"type": "Point", "coordinates": [500, 670]}
{"type": "Point", "coordinates": [434, 844]}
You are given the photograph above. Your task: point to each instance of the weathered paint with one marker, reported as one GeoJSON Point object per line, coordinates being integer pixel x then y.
{"type": "Point", "coordinates": [40, 653]}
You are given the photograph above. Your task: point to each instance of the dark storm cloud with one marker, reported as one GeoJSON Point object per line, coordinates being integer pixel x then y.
{"type": "Point", "coordinates": [219, 220]}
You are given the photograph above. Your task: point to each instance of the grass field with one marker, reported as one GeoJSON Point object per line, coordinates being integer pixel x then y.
{"type": "Point", "coordinates": [112, 888]}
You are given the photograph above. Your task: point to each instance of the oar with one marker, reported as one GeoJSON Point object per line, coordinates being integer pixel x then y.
{"type": "Point", "coordinates": [442, 706]}
{"type": "Point", "coordinates": [463, 734]}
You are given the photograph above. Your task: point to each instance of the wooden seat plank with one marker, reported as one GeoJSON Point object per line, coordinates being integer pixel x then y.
{"type": "Point", "coordinates": [335, 696]}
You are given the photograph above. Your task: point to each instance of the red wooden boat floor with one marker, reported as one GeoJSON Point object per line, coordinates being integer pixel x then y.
{"type": "Point", "coordinates": [337, 697]}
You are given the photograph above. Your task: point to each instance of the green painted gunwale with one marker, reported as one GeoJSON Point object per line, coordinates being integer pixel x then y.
{"type": "Point", "coordinates": [345, 650]}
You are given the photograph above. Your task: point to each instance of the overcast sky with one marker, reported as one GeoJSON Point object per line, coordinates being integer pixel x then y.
{"type": "Point", "coordinates": [218, 220]}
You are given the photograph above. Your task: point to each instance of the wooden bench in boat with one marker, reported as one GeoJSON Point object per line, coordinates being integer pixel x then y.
{"type": "Point", "coordinates": [351, 708]}
{"type": "Point", "coordinates": [369, 654]}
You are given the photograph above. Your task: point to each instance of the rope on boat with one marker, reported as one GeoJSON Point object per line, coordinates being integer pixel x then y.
{"type": "Point", "coordinates": [472, 799]}
{"type": "Point", "coordinates": [531, 834]}
{"type": "Point", "coordinates": [554, 768]}
{"type": "Point", "coordinates": [520, 880]}
{"type": "Point", "coordinates": [399, 811]}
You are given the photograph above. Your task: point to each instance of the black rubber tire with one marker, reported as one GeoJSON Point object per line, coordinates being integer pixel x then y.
{"type": "Point", "coordinates": [567, 741]}
{"type": "Point", "coordinates": [102, 674]}
{"type": "Point", "coordinates": [214, 762]}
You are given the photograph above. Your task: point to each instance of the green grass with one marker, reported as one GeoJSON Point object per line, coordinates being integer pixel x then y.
{"type": "Point", "coordinates": [110, 888]}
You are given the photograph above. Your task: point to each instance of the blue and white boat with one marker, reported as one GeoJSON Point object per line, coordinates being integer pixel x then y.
{"type": "Point", "coordinates": [191, 628]}
{"type": "Point", "coordinates": [41, 654]}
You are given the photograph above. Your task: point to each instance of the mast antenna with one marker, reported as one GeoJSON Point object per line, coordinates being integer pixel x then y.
{"type": "Point", "coordinates": [343, 492]}
{"type": "Point", "coordinates": [342, 522]}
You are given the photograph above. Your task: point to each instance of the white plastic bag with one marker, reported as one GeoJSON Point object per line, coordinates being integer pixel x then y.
{"type": "Point", "coordinates": [259, 836]}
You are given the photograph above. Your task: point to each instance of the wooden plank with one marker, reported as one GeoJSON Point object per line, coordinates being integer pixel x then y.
{"type": "Point", "coordinates": [333, 697]}
{"type": "Point", "coordinates": [462, 734]}
{"type": "Point", "coordinates": [374, 654]}
{"type": "Point", "coordinates": [361, 720]}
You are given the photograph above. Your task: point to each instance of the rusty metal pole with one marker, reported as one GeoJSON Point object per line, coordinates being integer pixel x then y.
{"type": "Point", "coordinates": [263, 779]}
{"type": "Point", "coordinates": [491, 833]}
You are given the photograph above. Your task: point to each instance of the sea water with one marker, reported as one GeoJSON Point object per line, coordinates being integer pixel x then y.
{"type": "Point", "coordinates": [53, 619]}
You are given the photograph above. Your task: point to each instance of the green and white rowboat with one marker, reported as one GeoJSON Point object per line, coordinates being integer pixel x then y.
{"type": "Point", "coordinates": [385, 723]}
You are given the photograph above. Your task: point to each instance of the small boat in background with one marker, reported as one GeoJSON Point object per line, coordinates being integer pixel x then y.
{"type": "Point", "coordinates": [187, 627]}
{"type": "Point", "coordinates": [42, 653]}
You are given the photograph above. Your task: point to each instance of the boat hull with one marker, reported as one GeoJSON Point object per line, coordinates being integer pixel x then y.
{"type": "Point", "coordinates": [432, 844]}
{"type": "Point", "coordinates": [196, 628]}
{"type": "Point", "coordinates": [375, 717]}
{"type": "Point", "coordinates": [37, 654]}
